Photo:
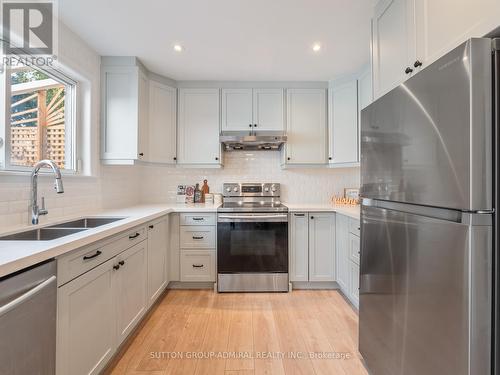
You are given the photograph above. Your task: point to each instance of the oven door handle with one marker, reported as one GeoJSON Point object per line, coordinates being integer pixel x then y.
{"type": "Point", "coordinates": [280, 217]}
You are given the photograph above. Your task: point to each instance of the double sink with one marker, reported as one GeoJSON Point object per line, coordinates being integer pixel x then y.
{"type": "Point", "coordinates": [60, 230]}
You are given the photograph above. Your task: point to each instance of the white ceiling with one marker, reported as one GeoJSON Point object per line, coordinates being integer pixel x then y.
{"type": "Point", "coordinates": [252, 40]}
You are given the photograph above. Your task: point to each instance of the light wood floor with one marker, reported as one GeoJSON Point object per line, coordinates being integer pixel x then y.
{"type": "Point", "coordinates": [247, 333]}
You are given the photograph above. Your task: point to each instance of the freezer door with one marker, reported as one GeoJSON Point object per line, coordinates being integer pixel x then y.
{"type": "Point", "coordinates": [425, 294]}
{"type": "Point", "coordinates": [429, 141]}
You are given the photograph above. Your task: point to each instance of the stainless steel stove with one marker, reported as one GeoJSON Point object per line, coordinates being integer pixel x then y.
{"type": "Point", "coordinates": [252, 239]}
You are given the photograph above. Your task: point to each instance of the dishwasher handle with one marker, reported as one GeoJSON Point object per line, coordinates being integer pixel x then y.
{"type": "Point", "coordinates": [26, 296]}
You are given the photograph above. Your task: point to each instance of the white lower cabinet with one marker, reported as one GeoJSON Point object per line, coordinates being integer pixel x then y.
{"type": "Point", "coordinates": [312, 247]}
{"type": "Point", "coordinates": [157, 259]}
{"type": "Point", "coordinates": [198, 265]}
{"type": "Point", "coordinates": [101, 305]}
{"type": "Point", "coordinates": [342, 251]}
{"type": "Point", "coordinates": [131, 287]}
{"type": "Point", "coordinates": [354, 282]}
{"type": "Point", "coordinates": [348, 257]}
{"type": "Point", "coordinates": [321, 247]}
{"type": "Point", "coordinates": [86, 322]}
{"type": "Point", "coordinates": [299, 247]}
{"type": "Point", "coordinates": [197, 247]}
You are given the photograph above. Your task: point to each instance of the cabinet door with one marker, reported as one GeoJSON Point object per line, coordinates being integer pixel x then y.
{"type": "Point", "coordinates": [321, 247]}
{"type": "Point", "coordinates": [442, 25]}
{"type": "Point", "coordinates": [162, 123]}
{"type": "Point", "coordinates": [268, 109]}
{"type": "Point", "coordinates": [199, 126]}
{"type": "Point", "coordinates": [306, 126]}
{"type": "Point", "coordinates": [143, 117]}
{"type": "Point", "coordinates": [354, 283]}
{"type": "Point", "coordinates": [365, 92]}
{"type": "Point", "coordinates": [131, 289]}
{"type": "Point", "coordinates": [86, 322]}
{"type": "Point", "coordinates": [237, 109]}
{"type": "Point", "coordinates": [393, 43]}
{"type": "Point", "coordinates": [299, 247]}
{"type": "Point", "coordinates": [344, 134]}
{"type": "Point", "coordinates": [342, 252]}
{"type": "Point", "coordinates": [157, 259]}
{"type": "Point", "coordinates": [119, 112]}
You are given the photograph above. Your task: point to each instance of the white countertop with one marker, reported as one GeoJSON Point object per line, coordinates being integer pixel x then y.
{"type": "Point", "coordinates": [16, 255]}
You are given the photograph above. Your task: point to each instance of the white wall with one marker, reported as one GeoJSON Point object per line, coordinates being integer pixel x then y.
{"type": "Point", "coordinates": [110, 186]}
{"type": "Point", "coordinates": [298, 185]}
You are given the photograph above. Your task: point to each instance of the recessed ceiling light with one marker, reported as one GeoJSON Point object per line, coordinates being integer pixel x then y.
{"type": "Point", "coordinates": [316, 47]}
{"type": "Point", "coordinates": [178, 48]}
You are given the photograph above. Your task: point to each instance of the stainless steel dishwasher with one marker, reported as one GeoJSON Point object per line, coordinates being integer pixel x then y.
{"type": "Point", "coordinates": [28, 321]}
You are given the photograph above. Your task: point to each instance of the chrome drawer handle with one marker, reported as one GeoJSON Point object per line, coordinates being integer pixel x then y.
{"type": "Point", "coordinates": [95, 255]}
{"type": "Point", "coordinates": [131, 237]}
{"type": "Point", "coordinates": [198, 238]}
{"type": "Point", "coordinates": [197, 265]}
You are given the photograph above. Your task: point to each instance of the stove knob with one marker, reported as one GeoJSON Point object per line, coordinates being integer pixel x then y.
{"type": "Point", "coordinates": [228, 189]}
{"type": "Point", "coordinates": [235, 189]}
{"type": "Point", "coordinates": [266, 189]}
{"type": "Point", "coordinates": [273, 189]}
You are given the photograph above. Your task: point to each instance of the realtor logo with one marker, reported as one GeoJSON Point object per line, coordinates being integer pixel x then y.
{"type": "Point", "coordinates": [29, 27]}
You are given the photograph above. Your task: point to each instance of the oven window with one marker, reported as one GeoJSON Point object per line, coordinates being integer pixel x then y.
{"type": "Point", "coordinates": [252, 247]}
{"type": "Point", "coordinates": [248, 242]}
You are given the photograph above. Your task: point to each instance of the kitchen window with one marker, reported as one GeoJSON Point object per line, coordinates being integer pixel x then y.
{"type": "Point", "coordinates": [39, 112]}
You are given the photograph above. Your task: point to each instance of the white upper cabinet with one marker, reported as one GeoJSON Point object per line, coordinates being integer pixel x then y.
{"type": "Point", "coordinates": [393, 43]}
{"type": "Point", "coordinates": [306, 127]}
{"type": "Point", "coordinates": [252, 109]}
{"type": "Point", "coordinates": [123, 113]}
{"type": "Point", "coordinates": [268, 109]}
{"type": "Point", "coordinates": [442, 25]}
{"type": "Point", "coordinates": [237, 109]}
{"type": "Point", "coordinates": [162, 123]}
{"type": "Point", "coordinates": [198, 126]}
{"type": "Point", "coordinates": [343, 127]}
{"type": "Point", "coordinates": [408, 35]}
{"type": "Point", "coordinates": [365, 90]}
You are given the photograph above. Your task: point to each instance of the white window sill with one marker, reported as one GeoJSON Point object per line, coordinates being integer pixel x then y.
{"type": "Point", "coordinates": [65, 174]}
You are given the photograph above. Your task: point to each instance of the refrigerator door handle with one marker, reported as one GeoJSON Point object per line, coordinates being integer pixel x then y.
{"type": "Point", "coordinates": [462, 217]}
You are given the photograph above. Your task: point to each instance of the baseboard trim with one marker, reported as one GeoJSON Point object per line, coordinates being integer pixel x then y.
{"type": "Point", "coordinates": [190, 285]}
{"type": "Point", "coordinates": [315, 285]}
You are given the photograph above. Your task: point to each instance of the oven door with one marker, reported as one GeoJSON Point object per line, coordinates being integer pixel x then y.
{"type": "Point", "coordinates": [252, 243]}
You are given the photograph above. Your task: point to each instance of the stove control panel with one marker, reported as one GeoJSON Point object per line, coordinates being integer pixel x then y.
{"type": "Point", "coordinates": [251, 190]}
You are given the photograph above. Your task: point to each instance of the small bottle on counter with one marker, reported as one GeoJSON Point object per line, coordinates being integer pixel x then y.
{"type": "Point", "coordinates": [197, 194]}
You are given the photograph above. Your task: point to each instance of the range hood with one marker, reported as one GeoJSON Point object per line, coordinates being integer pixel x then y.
{"type": "Point", "coordinates": [263, 141]}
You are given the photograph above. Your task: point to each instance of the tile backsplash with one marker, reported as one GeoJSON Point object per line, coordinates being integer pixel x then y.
{"type": "Point", "coordinates": [301, 185]}
{"type": "Point", "coordinates": [120, 186]}
{"type": "Point", "coordinates": [117, 186]}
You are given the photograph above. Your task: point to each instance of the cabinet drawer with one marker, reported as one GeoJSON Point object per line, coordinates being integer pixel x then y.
{"type": "Point", "coordinates": [197, 265]}
{"type": "Point", "coordinates": [354, 226]}
{"type": "Point", "coordinates": [354, 248]}
{"type": "Point", "coordinates": [197, 219]}
{"type": "Point", "coordinates": [197, 237]}
{"type": "Point", "coordinates": [80, 261]}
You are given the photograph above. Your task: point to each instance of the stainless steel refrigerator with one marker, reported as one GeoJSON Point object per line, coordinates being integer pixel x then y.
{"type": "Point", "coordinates": [428, 246]}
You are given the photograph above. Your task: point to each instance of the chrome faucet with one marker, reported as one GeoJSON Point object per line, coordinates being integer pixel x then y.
{"type": "Point", "coordinates": [58, 186]}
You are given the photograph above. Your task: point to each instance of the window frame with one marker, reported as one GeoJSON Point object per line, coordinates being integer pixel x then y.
{"type": "Point", "coordinates": [70, 119]}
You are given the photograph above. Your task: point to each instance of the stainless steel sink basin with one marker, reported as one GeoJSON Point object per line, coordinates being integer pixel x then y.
{"type": "Point", "coordinates": [87, 222]}
{"type": "Point", "coordinates": [41, 234]}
